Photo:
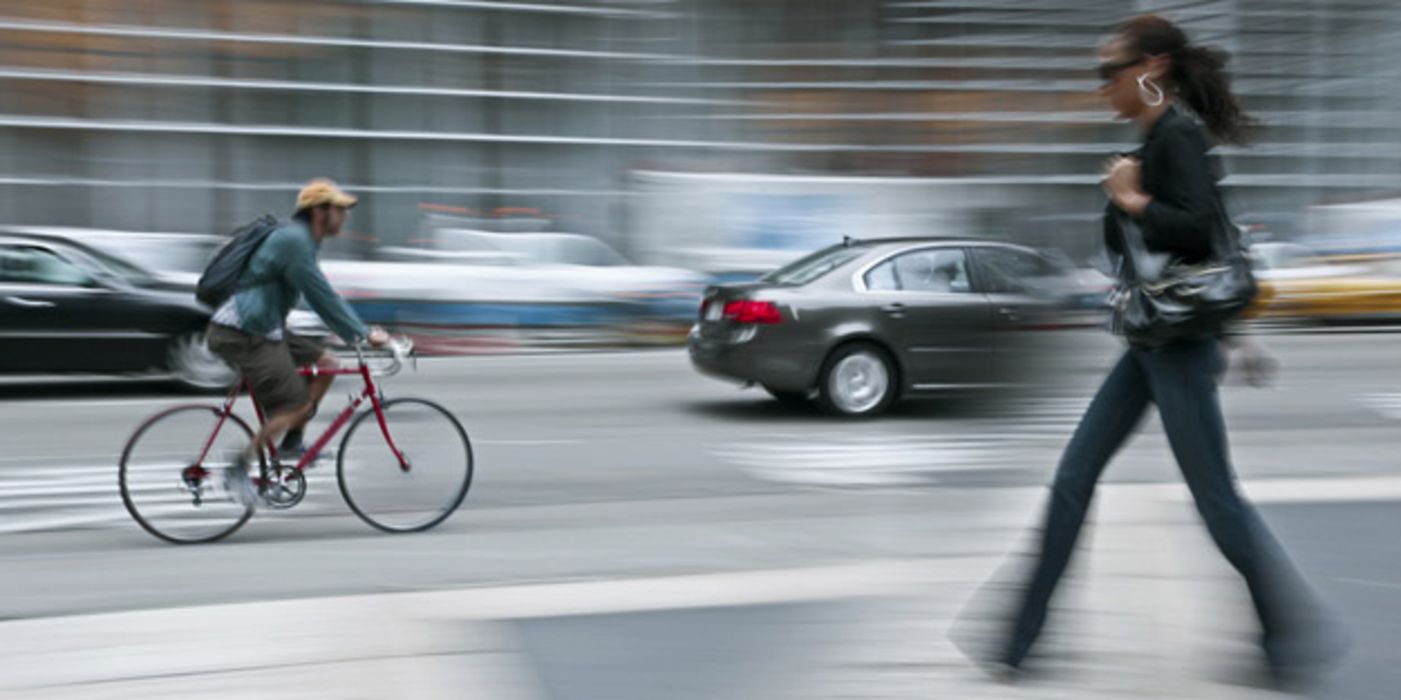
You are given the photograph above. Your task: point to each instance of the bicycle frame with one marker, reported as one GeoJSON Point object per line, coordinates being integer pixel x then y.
{"type": "Point", "coordinates": [369, 392]}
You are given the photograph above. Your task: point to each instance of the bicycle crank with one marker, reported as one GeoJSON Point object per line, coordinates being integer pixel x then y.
{"type": "Point", "coordinates": [284, 488]}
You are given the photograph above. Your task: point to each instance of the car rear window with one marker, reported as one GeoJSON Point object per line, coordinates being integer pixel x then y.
{"type": "Point", "coordinates": [812, 267]}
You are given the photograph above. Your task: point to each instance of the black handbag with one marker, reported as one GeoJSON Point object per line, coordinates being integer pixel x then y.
{"type": "Point", "coordinates": [1161, 299]}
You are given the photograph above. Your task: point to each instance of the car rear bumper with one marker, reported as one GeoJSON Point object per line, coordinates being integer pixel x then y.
{"type": "Point", "coordinates": [780, 367]}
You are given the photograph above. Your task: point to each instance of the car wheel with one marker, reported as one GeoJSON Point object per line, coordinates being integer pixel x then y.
{"type": "Point", "coordinates": [857, 380]}
{"type": "Point", "coordinates": [196, 367]}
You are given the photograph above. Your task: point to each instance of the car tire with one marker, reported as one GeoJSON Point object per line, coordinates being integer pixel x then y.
{"type": "Point", "coordinates": [858, 380]}
{"type": "Point", "coordinates": [195, 367]}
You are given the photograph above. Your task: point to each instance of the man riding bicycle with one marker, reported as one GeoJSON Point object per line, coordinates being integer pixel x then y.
{"type": "Point", "coordinates": [249, 329]}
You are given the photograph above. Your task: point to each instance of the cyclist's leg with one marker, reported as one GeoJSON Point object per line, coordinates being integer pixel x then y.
{"type": "Point", "coordinates": [282, 391]}
{"type": "Point", "coordinates": [281, 422]}
{"type": "Point", "coordinates": [321, 383]}
{"type": "Point", "coordinates": [230, 344]}
{"type": "Point", "coordinates": [267, 367]}
{"type": "Point", "coordinates": [306, 351]}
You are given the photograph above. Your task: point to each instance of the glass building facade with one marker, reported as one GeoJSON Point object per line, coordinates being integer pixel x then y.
{"type": "Point", "coordinates": [172, 115]}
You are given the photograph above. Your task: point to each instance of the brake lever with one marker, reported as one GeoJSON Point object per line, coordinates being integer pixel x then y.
{"type": "Point", "coordinates": [412, 352]}
{"type": "Point", "coordinates": [403, 349]}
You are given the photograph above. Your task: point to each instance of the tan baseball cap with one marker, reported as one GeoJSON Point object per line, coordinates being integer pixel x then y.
{"type": "Point", "coordinates": [323, 191]}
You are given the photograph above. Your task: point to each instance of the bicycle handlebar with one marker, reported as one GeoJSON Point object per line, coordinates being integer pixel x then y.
{"type": "Point", "coordinates": [397, 349]}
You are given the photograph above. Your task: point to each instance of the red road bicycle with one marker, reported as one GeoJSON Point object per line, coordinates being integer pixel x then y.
{"type": "Point", "coordinates": [404, 465]}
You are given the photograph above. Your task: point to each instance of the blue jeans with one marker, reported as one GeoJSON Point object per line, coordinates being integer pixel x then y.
{"type": "Point", "coordinates": [1180, 378]}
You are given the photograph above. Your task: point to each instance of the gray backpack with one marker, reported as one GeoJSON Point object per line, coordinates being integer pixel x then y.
{"type": "Point", "coordinates": [220, 278]}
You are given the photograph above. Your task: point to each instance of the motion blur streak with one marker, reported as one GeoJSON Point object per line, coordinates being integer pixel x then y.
{"type": "Point", "coordinates": [559, 200]}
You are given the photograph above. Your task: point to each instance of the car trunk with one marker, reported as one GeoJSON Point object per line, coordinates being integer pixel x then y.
{"type": "Point", "coordinates": [713, 322]}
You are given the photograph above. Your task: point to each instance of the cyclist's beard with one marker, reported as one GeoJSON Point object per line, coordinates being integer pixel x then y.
{"type": "Point", "coordinates": [331, 226]}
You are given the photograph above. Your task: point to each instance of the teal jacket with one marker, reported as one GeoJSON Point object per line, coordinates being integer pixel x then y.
{"type": "Point", "coordinates": [283, 269]}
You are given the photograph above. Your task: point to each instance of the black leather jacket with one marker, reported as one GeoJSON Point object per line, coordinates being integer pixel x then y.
{"type": "Point", "coordinates": [1181, 177]}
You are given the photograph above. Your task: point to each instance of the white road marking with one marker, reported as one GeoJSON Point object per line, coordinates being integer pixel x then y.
{"type": "Point", "coordinates": [887, 460]}
{"type": "Point", "coordinates": [1387, 404]}
{"type": "Point", "coordinates": [629, 357]}
{"type": "Point", "coordinates": [527, 442]}
{"type": "Point", "coordinates": [90, 403]}
{"type": "Point", "coordinates": [65, 497]}
{"type": "Point", "coordinates": [1369, 582]}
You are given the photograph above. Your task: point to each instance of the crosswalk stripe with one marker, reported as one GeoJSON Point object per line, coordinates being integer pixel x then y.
{"type": "Point", "coordinates": [1387, 404]}
{"type": "Point", "coordinates": [87, 495]}
{"type": "Point", "coordinates": [881, 460]}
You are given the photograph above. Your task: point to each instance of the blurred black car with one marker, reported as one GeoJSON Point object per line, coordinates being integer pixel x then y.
{"type": "Point", "coordinates": [70, 308]}
{"type": "Point", "coordinates": [858, 325]}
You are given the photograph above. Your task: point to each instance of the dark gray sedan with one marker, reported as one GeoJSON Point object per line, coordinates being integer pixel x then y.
{"type": "Point", "coordinates": [860, 324]}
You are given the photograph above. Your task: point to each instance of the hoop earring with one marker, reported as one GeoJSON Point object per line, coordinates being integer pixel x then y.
{"type": "Point", "coordinates": [1153, 97]}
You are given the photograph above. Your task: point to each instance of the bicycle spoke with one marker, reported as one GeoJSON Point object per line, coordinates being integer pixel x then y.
{"type": "Point", "coordinates": [385, 495]}
{"type": "Point", "coordinates": [169, 489]}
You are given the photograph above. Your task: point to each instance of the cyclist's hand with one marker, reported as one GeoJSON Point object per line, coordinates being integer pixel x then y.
{"type": "Point", "coordinates": [378, 337]}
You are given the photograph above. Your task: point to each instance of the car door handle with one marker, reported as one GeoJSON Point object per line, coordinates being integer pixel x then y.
{"type": "Point", "coordinates": [1010, 313]}
{"type": "Point", "coordinates": [895, 310]}
{"type": "Point", "coordinates": [29, 303]}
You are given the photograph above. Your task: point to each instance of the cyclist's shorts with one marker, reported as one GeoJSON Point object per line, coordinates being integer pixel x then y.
{"type": "Point", "coordinates": [270, 366]}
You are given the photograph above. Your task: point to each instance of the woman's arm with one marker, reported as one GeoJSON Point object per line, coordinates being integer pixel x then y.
{"type": "Point", "coordinates": [1180, 216]}
{"type": "Point", "coordinates": [1183, 216]}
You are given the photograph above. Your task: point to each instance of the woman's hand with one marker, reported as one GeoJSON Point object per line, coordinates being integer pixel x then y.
{"type": "Point", "coordinates": [1259, 366]}
{"type": "Point", "coordinates": [1123, 182]}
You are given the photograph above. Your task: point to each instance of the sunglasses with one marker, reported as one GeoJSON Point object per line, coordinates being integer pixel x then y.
{"type": "Point", "coordinates": [1108, 71]}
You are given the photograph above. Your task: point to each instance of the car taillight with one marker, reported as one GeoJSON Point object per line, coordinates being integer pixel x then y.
{"type": "Point", "coordinates": [762, 312]}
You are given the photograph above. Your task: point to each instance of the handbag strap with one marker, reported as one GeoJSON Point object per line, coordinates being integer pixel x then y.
{"type": "Point", "coordinates": [1140, 264]}
{"type": "Point", "coordinates": [1228, 244]}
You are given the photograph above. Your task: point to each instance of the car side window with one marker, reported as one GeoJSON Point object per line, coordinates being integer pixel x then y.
{"type": "Point", "coordinates": [933, 270]}
{"type": "Point", "coordinates": [1009, 271]}
{"type": "Point", "coordinates": [930, 270]}
{"type": "Point", "coordinates": [881, 278]}
{"type": "Point", "coordinates": [30, 265]}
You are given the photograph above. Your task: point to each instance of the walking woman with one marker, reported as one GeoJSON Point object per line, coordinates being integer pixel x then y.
{"type": "Point", "coordinates": [1177, 95]}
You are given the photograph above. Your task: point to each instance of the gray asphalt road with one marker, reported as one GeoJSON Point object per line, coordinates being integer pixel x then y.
{"type": "Point", "coordinates": [611, 464]}
{"type": "Point", "coordinates": [629, 465]}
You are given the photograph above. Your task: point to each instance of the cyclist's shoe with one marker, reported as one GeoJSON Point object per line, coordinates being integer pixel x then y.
{"type": "Point", "coordinates": [292, 440]}
{"type": "Point", "coordinates": [290, 455]}
{"type": "Point", "coordinates": [237, 482]}
{"type": "Point", "coordinates": [290, 452]}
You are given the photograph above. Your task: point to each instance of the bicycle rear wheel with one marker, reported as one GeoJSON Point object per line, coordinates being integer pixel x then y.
{"type": "Point", "coordinates": [394, 499]}
{"type": "Point", "coordinates": [169, 490]}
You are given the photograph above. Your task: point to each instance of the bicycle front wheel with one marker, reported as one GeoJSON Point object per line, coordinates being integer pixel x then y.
{"type": "Point", "coordinates": [384, 493]}
{"type": "Point", "coordinates": [173, 485]}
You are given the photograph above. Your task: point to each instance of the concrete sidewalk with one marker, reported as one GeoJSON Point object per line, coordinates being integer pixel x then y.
{"type": "Point", "coordinates": [1148, 612]}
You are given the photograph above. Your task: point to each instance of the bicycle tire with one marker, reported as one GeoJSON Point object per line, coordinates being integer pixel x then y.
{"type": "Point", "coordinates": [123, 470]}
{"type": "Point", "coordinates": [458, 491]}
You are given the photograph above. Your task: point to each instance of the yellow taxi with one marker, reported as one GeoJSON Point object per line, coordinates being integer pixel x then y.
{"type": "Point", "coordinates": [1298, 284]}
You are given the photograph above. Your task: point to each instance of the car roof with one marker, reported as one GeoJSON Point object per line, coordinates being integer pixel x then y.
{"type": "Point", "coordinates": [10, 236]}
{"type": "Point", "coordinates": [885, 248]}
{"type": "Point", "coordinates": [904, 241]}
{"type": "Point", "coordinates": [22, 236]}
{"type": "Point", "coordinates": [852, 241]}
{"type": "Point", "coordinates": [84, 236]}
